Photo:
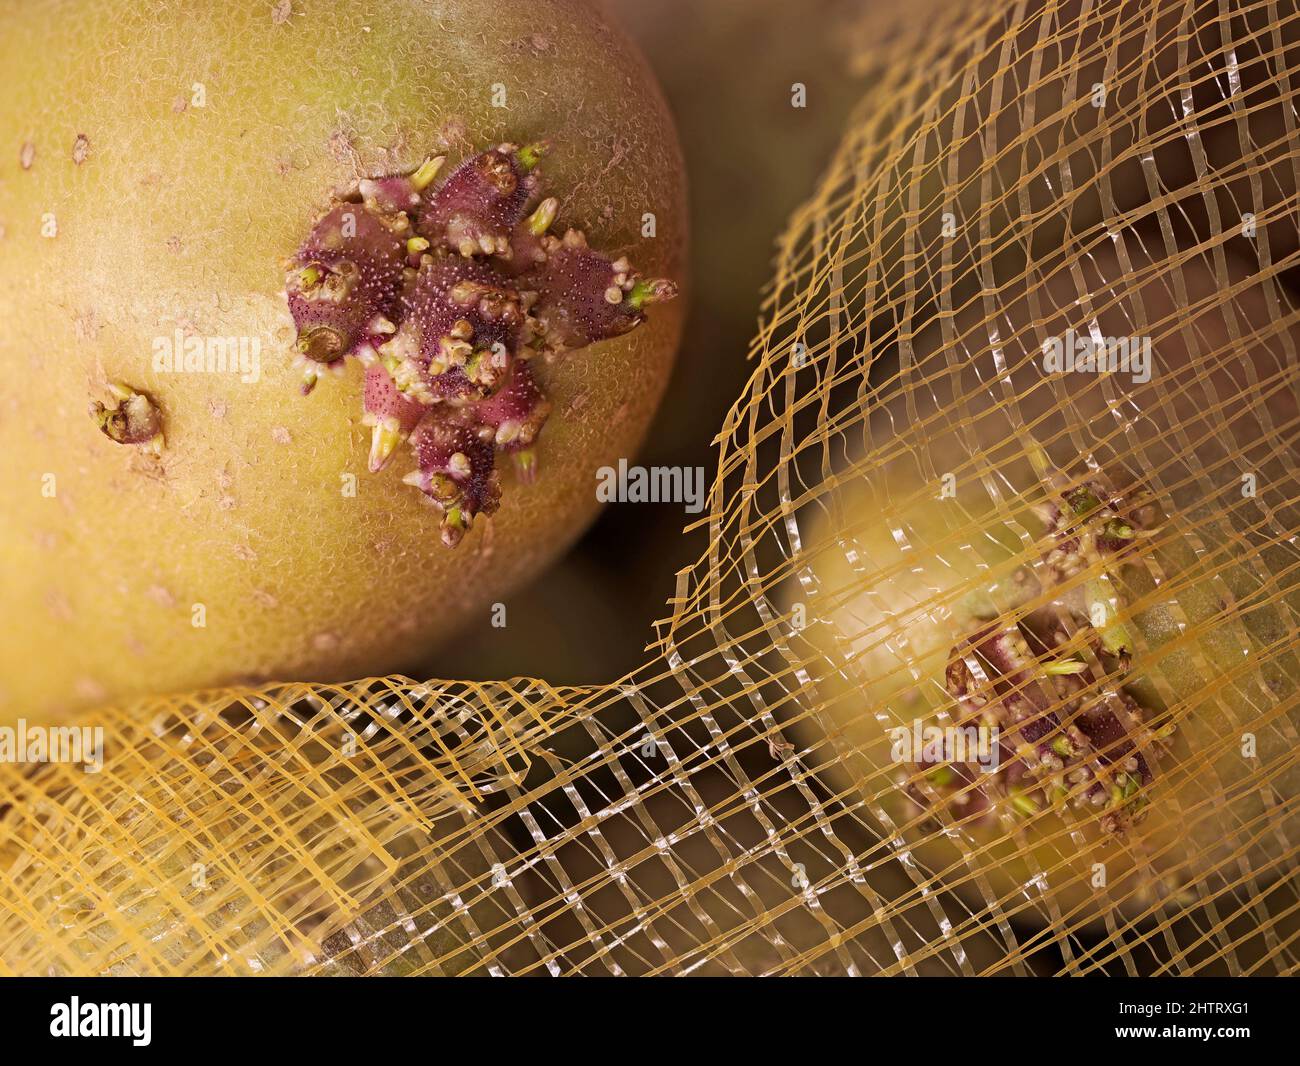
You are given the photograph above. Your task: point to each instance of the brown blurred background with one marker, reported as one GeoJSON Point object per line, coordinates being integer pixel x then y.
{"type": "Point", "coordinates": [728, 68]}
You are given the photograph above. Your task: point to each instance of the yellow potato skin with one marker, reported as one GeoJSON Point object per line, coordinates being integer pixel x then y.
{"type": "Point", "coordinates": [209, 137]}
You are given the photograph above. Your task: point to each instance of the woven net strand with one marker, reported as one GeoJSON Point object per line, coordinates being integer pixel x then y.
{"type": "Point", "coordinates": [715, 811]}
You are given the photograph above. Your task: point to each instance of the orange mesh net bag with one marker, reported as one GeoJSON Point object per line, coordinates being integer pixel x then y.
{"type": "Point", "coordinates": [988, 664]}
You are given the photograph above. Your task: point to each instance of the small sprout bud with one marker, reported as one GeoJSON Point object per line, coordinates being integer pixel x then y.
{"type": "Point", "coordinates": [391, 414]}
{"type": "Point", "coordinates": [1065, 666]}
{"type": "Point", "coordinates": [1082, 501]}
{"type": "Point", "coordinates": [134, 420]}
{"type": "Point", "coordinates": [428, 170]}
{"type": "Point", "coordinates": [540, 220]}
{"type": "Point", "coordinates": [650, 291]}
{"type": "Point", "coordinates": [1115, 638]}
{"type": "Point", "coordinates": [384, 439]}
{"type": "Point", "coordinates": [531, 154]}
{"type": "Point", "coordinates": [452, 528]}
{"type": "Point", "coordinates": [458, 466]}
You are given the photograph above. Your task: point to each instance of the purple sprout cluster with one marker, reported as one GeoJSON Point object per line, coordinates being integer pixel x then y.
{"type": "Point", "coordinates": [449, 292]}
{"type": "Point", "coordinates": [1051, 681]}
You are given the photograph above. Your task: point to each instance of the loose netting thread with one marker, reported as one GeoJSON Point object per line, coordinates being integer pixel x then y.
{"type": "Point", "coordinates": [715, 811]}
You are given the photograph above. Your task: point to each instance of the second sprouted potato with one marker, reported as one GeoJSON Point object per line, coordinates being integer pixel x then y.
{"type": "Point", "coordinates": [1086, 566]}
